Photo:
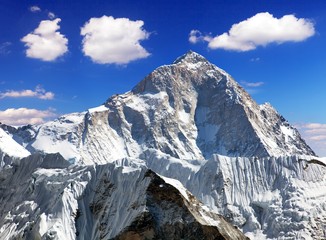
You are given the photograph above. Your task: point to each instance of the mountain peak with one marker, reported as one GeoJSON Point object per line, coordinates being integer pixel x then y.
{"type": "Point", "coordinates": [195, 94]}
{"type": "Point", "coordinates": [190, 57]}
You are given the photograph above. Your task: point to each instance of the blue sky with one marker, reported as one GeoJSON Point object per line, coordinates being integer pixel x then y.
{"type": "Point", "coordinates": [57, 57]}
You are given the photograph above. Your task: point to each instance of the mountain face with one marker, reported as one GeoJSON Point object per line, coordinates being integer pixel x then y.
{"type": "Point", "coordinates": [49, 198]}
{"type": "Point", "coordinates": [211, 114]}
{"type": "Point", "coordinates": [190, 109]}
{"type": "Point", "coordinates": [188, 121]}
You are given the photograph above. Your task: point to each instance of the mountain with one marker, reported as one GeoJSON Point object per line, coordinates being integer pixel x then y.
{"type": "Point", "coordinates": [190, 109]}
{"type": "Point", "coordinates": [224, 118]}
{"type": "Point", "coordinates": [55, 200]}
{"type": "Point", "coordinates": [189, 121]}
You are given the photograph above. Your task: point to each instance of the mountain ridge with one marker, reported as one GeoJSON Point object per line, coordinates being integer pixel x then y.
{"type": "Point", "coordinates": [201, 104]}
{"type": "Point", "coordinates": [189, 121]}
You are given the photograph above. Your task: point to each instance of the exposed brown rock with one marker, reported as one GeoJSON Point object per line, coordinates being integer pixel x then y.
{"type": "Point", "coordinates": [171, 216]}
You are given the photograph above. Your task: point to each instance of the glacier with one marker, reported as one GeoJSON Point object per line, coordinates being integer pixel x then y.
{"type": "Point", "coordinates": [54, 199]}
{"type": "Point", "coordinates": [191, 124]}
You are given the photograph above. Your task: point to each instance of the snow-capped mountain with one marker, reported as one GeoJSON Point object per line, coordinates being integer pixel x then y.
{"type": "Point", "coordinates": [190, 109]}
{"type": "Point", "coordinates": [56, 200]}
{"type": "Point", "coordinates": [189, 121]}
{"type": "Point", "coordinates": [211, 114]}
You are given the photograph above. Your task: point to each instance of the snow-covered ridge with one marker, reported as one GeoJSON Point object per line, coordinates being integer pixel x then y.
{"type": "Point", "coordinates": [274, 198]}
{"type": "Point", "coordinates": [50, 198]}
{"type": "Point", "coordinates": [188, 113]}
{"type": "Point", "coordinates": [191, 123]}
{"type": "Point", "coordinates": [10, 149]}
{"type": "Point", "coordinates": [253, 193]}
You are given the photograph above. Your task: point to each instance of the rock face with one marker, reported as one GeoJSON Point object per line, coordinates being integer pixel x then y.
{"type": "Point", "coordinates": [174, 216]}
{"type": "Point", "coordinates": [224, 117]}
{"type": "Point", "coordinates": [188, 121]}
{"type": "Point", "coordinates": [190, 109]}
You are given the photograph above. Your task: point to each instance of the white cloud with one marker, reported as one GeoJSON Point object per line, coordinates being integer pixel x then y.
{"type": "Point", "coordinates": [113, 40]}
{"type": "Point", "coordinates": [24, 116]}
{"type": "Point", "coordinates": [39, 92]}
{"type": "Point", "coordinates": [4, 48]}
{"type": "Point", "coordinates": [315, 135]}
{"type": "Point", "coordinates": [196, 36]}
{"type": "Point", "coordinates": [45, 42]}
{"type": "Point", "coordinates": [259, 30]}
{"type": "Point", "coordinates": [252, 87]}
{"type": "Point", "coordinates": [252, 84]}
{"type": "Point", "coordinates": [35, 9]}
{"type": "Point", "coordinates": [51, 15]}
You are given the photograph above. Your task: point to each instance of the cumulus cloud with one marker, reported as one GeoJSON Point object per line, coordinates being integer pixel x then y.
{"type": "Point", "coordinates": [24, 116]}
{"type": "Point", "coordinates": [259, 30]}
{"type": "Point", "coordinates": [315, 135]}
{"type": "Point", "coordinates": [196, 36]}
{"type": "Point", "coordinates": [35, 9]}
{"type": "Point", "coordinates": [45, 42]}
{"type": "Point", "coordinates": [113, 40]}
{"type": "Point", "coordinates": [39, 93]}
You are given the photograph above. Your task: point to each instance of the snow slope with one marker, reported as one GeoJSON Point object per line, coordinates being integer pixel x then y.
{"type": "Point", "coordinates": [10, 149]}
{"type": "Point", "coordinates": [190, 109]}
{"type": "Point", "coordinates": [49, 198]}
{"type": "Point", "coordinates": [272, 197]}
{"type": "Point", "coordinates": [188, 121]}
